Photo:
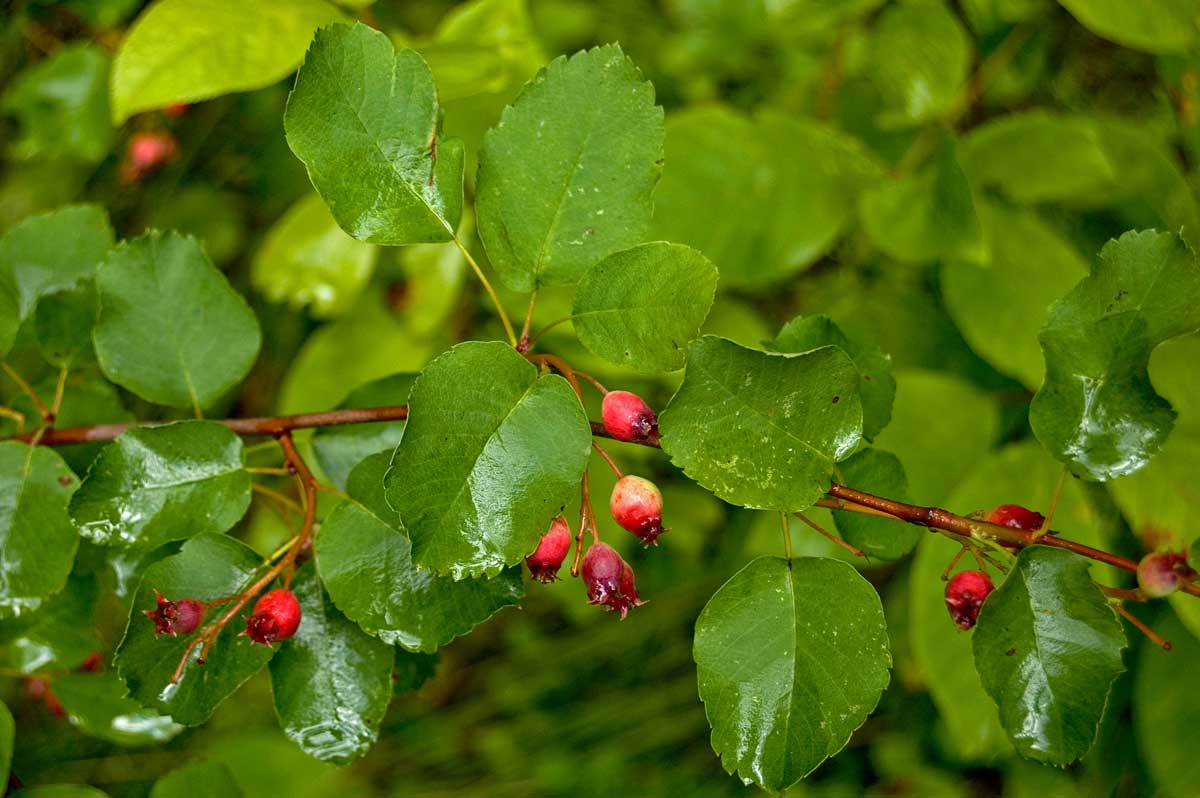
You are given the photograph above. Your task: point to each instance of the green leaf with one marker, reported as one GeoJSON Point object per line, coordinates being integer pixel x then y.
{"type": "Point", "coordinates": [156, 484]}
{"type": "Point", "coordinates": [763, 430]}
{"type": "Point", "coordinates": [63, 322]}
{"type": "Point", "coordinates": [365, 560]}
{"type": "Point", "coordinates": [210, 779]}
{"type": "Point", "coordinates": [483, 47]}
{"type": "Point", "coordinates": [208, 567]}
{"type": "Point", "coordinates": [59, 791]}
{"type": "Point", "coordinates": [1164, 709]}
{"type": "Point", "coordinates": [61, 104]}
{"type": "Point", "coordinates": [566, 177]}
{"type": "Point", "coordinates": [181, 51]}
{"type": "Point", "coordinates": [921, 56]}
{"type": "Point", "coordinates": [926, 216]}
{"type": "Point", "coordinates": [308, 261]}
{"type": "Point", "coordinates": [37, 538]}
{"type": "Point", "coordinates": [53, 250]}
{"type": "Point", "coordinates": [943, 656]}
{"type": "Point", "coordinates": [8, 731]}
{"type": "Point", "coordinates": [171, 328]}
{"type": "Point", "coordinates": [332, 681]}
{"type": "Point", "coordinates": [1097, 410]}
{"type": "Point", "coordinates": [59, 635]}
{"type": "Point", "coordinates": [339, 449]}
{"type": "Point", "coordinates": [759, 217]}
{"type": "Point", "coordinates": [641, 307]}
{"type": "Point", "coordinates": [413, 669]}
{"type": "Point", "coordinates": [491, 453]}
{"type": "Point", "coordinates": [98, 705]}
{"type": "Point", "coordinates": [785, 674]}
{"type": "Point", "coordinates": [363, 118]}
{"type": "Point", "coordinates": [1000, 305]}
{"type": "Point", "coordinates": [88, 399]}
{"type": "Point", "coordinates": [878, 472]}
{"type": "Point", "coordinates": [1048, 648]}
{"type": "Point", "coordinates": [878, 386]}
{"type": "Point", "coordinates": [1154, 26]}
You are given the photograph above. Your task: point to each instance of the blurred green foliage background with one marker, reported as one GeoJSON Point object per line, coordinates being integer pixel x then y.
{"type": "Point", "coordinates": [556, 698]}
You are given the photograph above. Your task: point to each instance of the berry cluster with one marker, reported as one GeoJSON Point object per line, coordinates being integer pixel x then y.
{"type": "Point", "coordinates": [636, 504]}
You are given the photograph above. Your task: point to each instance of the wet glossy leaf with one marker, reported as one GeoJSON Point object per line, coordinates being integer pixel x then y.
{"type": "Point", "coordinates": [208, 567]}
{"type": "Point", "coordinates": [59, 635]}
{"type": "Point", "coordinates": [157, 484]}
{"type": "Point", "coordinates": [53, 250]}
{"type": "Point", "coordinates": [1163, 707]}
{"type": "Point", "coordinates": [763, 198]}
{"type": "Point", "coordinates": [61, 104]}
{"type": "Point", "coordinates": [98, 705]}
{"type": "Point", "coordinates": [1097, 410]}
{"type": "Point", "coordinates": [8, 730]}
{"type": "Point", "coordinates": [566, 177]}
{"type": "Point", "coordinates": [1000, 305]}
{"type": "Point", "coordinates": [641, 307]}
{"type": "Point", "coordinates": [491, 453]}
{"type": "Point", "coordinates": [63, 323]}
{"type": "Point", "coordinates": [786, 675]}
{"type": "Point", "coordinates": [1048, 648]}
{"type": "Point", "coordinates": [171, 328]}
{"type": "Point", "coordinates": [37, 538]}
{"type": "Point", "coordinates": [363, 118]}
{"type": "Point", "coordinates": [210, 779]}
{"type": "Point", "coordinates": [878, 472]}
{"type": "Point", "coordinates": [926, 216]}
{"type": "Point", "coordinates": [308, 261]}
{"type": "Point", "coordinates": [340, 449]}
{"type": "Point", "coordinates": [332, 681]}
{"type": "Point", "coordinates": [1155, 26]}
{"type": "Point", "coordinates": [365, 560]}
{"type": "Point", "coordinates": [763, 430]}
{"type": "Point", "coordinates": [181, 51]}
{"type": "Point", "coordinates": [878, 386]}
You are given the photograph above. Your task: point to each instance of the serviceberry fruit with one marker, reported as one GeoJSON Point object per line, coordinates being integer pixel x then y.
{"type": "Point", "coordinates": [609, 580]}
{"type": "Point", "coordinates": [276, 617]}
{"type": "Point", "coordinates": [1015, 516]}
{"type": "Point", "coordinates": [964, 596]}
{"type": "Point", "coordinates": [175, 617]}
{"type": "Point", "coordinates": [1158, 574]}
{"type": "Point", "coordinates": [147, 152]}
{"type": "Point", "coordinates": [637, 505]}
{"type": "Point", "coordinates": [627, 417]}
{"type": "Point", "coordinates": [551, 551]}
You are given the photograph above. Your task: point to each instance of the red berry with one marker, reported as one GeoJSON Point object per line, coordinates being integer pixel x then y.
{"type": "Point", "coordinates": [147, 152]}
{"type": "Point", "coordinates": [92, 663]}
{"type": "Point", "coordinates": [1158, 573]}
{"type": "Point", "coordinates": [609, 580]}
{"type": "Point", "coordinates": [964, 596]}
{"type": "Point", "coordinates": [636, 504]}
{"type": "Point", "coordinates": [628, 418]}
{"type": "Point", "coordinates": [175, 617]}
{"type": "Point", "coordinates": [176, 110]}
{"type": "Point", "coordinates": [39, 689]}
{"type": "Point", "coordinates": [276, 616]}
{"type": "Point", "coordinates": [1016, 516]}
{"type": "Point", "coordinates": [551, 551]}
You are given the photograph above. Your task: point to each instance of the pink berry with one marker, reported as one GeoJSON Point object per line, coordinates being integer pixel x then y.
{"type": "Point", "coordinates": [609, 580]}
{"type": "Point", "coordinates": [637, 505]}
{"type": "Point", "coordinates": [1015, 516]}
{"type": "Point", "coordinates": [175, 617]}
{"type": "Point", "coordinates": [1158, 574]}
{"type": "Point", "coordinates": [147, 152]}
{"type": "Point", "coordinates": [276, 617]}
{"type": "Point", "coordinates": [627, 417]}
{"type": "Point", "coordinates": [964, 596]}
{"type": "Point", "coordinates": [551, 551]}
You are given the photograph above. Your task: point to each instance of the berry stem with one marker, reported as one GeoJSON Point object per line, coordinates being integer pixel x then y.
{"type": "Point", "coordinates": [27, 389]}
{"type": "Point", "coordinates": [487, 286]}
{"type": "Point", "coordinates": [1048, 518]}
{"type": "Point", "coordinates": [607, 459]}
{"type": "Point", "coordinates": [523, 344]}
{"type": "Point", "coordinates": [533, 341]}
{"type": "Point", "coordinates": [813, 525]}
{"type": "Point", "coordinates": [1154, 637]}
{"type": "Point", "coordinates": [787, 536]}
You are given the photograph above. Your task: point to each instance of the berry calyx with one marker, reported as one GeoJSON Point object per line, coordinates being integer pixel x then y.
{"type": "Point", "coordinates": [175, 617]}
{"type": "Point", "coordinates": [147, 152]}
{"type": "Point", "coordinates": [627, 417]}
{"type": "Point", "coordinates": [276, 617]}
{"type": "Point", "coordinates": [637, 504]}
{"type": "Point", "coordinates": [551, 551]}
{"type": "Point", "coordinates": [609, 580]}
{"type": "Point", "coordinates": [964, 596]}
{"type": "Point", "coordinates": [1016, 516]}
{"type": "Point", "coordinates": [1160, 573]}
